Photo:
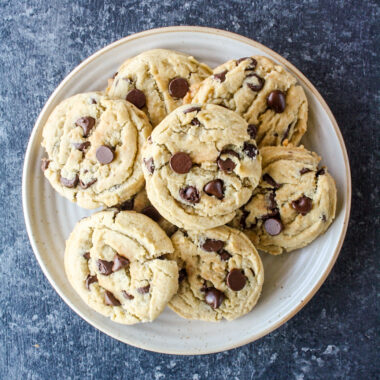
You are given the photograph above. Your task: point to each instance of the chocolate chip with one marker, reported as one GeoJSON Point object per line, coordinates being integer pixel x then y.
{"type": "Point", "coordinates": [276, 101]}
{"type": "Point", "coordinates": [182, 274]}
{"type": "Point", "coordinates": [286, 134]}
{"type": "Point", "coordinates": [273, 226]}
{"type": "Point", "coordinates": [272, 201]}
{"type": "Point", "coordinates": [86, 255]}
{"type": "Point", "coordinates": [252, 131]}
{"type": "Point", "coordinates": [127, 205]}
{"type": "Point", "coordinates": [144, 289]}
{"type": "Point", "coordinates": [243, 219]}
{"type": "Point", "coordinates": [136, 97]}
{"type": "Point", "coordinates": [224, 255]}
{"type": "Point", "coordinates": [303, 205]}
{"type": "Point", "coordinates": [240, 60]}
{"type": "Point", "coordinates": [86, 123]}
{"type": "Point", "coordinates": [82, 146]}
{"type": "Point", "coordinates": [215, 188]}
{"type": "Point", "coordinates": [252, 64]}
{"type": "Point", "coordinates": [89, 280]}
{"type": "Point", "coordinates": [119, 262]}
{"type": "Point", "coordinates": [114, 75]}
{"type": "Point", "coordinates": [267, 178]}
{"type": "Point", "coordinates": [44, 164]}
{"type": "Point", "coordinates": [93, 101]}
{"type": "Point", "coordinates": [181, 163]}
{"type": "Point", "coordinates": [190, 194]}
{"type": "Point", "coordinates": [104, 267]}
{"type": "Point", "coordinates": [178, 87]}
{"type": "Point", "coordinates": [250, 150]}
{"type": "Point", "coordinates": [149, 164]}
{"type": "Point", "coordinates": [255, 83]}
{"type": "Point", "coordinates": [70, 183]}
{"type": "Point", "coordinates": [110, 299]}
{"type": "Point", "coordinates": [88, 184]}
{"type": "Point", "coordinates": [151, 213]}
{"type": "Point", "coordinates": [105, 154]}
{"type": "Point", "coordinates": [226, 165]}
{"type": "Point", "coordinates": [236, 280]}
{"type": "Point", "coordinates": [195, 121]}
{"type": "Point", "coordinates": [320, 172]}
{"type": "Point", "coordinates": [127, 295]}
{"type": "Point", "coordinates": [324, 219]}
{"type": "Point", "coordinates": [214, 297]}
{"type": "Point", "coordinates": [305, 170]}
{"type": "Point", "coordinates": [221, 76]}
{"type": "Point", "coordinates": [192, 109]}
{"type": "Point", "coordinates": [211, 245]}
{"type": "Point", "coordinates": [204, 287]}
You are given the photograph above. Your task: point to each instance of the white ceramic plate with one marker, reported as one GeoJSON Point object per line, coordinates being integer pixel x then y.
{"type": "Point", "coordinates": [290, 279]}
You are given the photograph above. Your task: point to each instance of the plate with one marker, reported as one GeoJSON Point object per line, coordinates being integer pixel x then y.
{"type": "Point", "coordinates": [290, 279]}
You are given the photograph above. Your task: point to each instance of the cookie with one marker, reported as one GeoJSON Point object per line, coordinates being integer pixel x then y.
{"type": "Point", "coordinates": [220, 274]}
{"type": "Point", "coordinates": [156, 81]}
{"type": "Point", "coordinates": [94, 146]}
{"type": "Point", "coordinates": [200, 166]}
{"type": "Point", "coordinates": [140, 203]}
{"type": "Point", "coordinates": [294, 203]}
{"type": "Point", "coordinates": [115, 260]}
{"type": "Point", "coordinates": [263, 93]}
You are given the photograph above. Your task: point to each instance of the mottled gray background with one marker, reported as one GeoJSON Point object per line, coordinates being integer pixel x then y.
{"type": "Point", "coordinates": [334, 43]}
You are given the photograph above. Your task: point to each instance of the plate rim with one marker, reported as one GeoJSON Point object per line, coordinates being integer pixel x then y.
{"type": "Point", "coordinates": [230, 35]}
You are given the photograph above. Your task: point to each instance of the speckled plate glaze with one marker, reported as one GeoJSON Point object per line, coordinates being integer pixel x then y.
{"type": "Point", "coordinates": [290, 279]}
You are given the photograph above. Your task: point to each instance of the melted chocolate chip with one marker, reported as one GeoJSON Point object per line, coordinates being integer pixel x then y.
{"type": "Point", "coordinates": [110, 299]}
{"type": "Point", "coordinates": [250, 150]}
{"type": "Point", "coordinates": [144, 289]}
{"type": "Point", "coordinates": [255, 83]}
{"type": "Point", "coordinates": [195, 121]}
{"type": "Point", "coordinates": [243, 219]}
{"type": "Point", "coordinates": [86, 255]}
{"type": "Point", "coordinates": [320, 172]}
{"type": "Point", "coordinates": [127, 205]}
{"type": "Point", "coordinates": [211, 245]}
{"type": "Point", "coordinates": [136, 97]}
{"type": "Point", "coordinates": [324, 219]}
{"type": "Point", "coordinates": [272, 201]}
{"type": "Point", "coordinates": [104, 267]}
{"type": "Point", "coordinates": [303, 205]}
{"type": "Point", "coordinates": [182, 274]}
{"type": "Point", "coordinates": [181, 163]}
{"type": "Point", "coordinates": [240, 60]}
{"type": "Point", "coordinates": [192, 109]}
{"type": "Point", "coordinates": [44, 164]}
{"type": "Point", "coordinates": [149, 164]}
{"type": "Point", "coordinates": [89, 280]}
{"type": "Point", "coordinates": [252, 64]}
{"type": "Point", "coordinates": [93, 101]}
{"type": "Point", "coordinates": [267, 178]}
{"type": "Point", "coordinates": [276, 101]}
{"type": "Point", "coordinates": [70, 183]}
{"type": "Point", "coordinates": [178, 87]}
{"type": "Point", "coordinates": [226, 165]}
{"type": "Point", "coordinates": [252, 131]}
{"type": "Point", "coordinates": [127, 295]}
{"type": "Point", "coordinates": [114, 75]}
{"type": "Point", "coordinates": [88, 184]}
{"type": "Point", "coordinates": [82, 146]}
{"type": "Point", "coordinates": [105, 155]}
{"type": "Point", "coordinates": [214, 297]}
{"type": "Point", "coordinates": [119, 262]}
{"type": "Point", "coordinates": [305, 170]}
{"type": "Point", "coordinates": [190, 194]}
{"type": "Point", "coordinates": [151, 213]}
{"type": "Point", "coordinates": [224, 255]}
{"type": "Point", "coordinates": [221, 76]}
{"type": "Point", "coordinates": [236, 280]}
{"type": "Point", "coordinates": [215, 188]}
{"type": "Point", "coordinates": [286, 134]}
{"type": "Point", "coordinates": [86, 123]}
{"type": "Point", "coordinates": [273, 226]}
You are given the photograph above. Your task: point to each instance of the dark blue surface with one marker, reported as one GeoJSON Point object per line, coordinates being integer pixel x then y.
{"type": "Point", "coordinates": [334, 43]}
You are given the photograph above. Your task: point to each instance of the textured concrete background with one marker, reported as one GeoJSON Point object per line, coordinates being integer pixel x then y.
{"type": "Point", "coordinates": [335, 44]}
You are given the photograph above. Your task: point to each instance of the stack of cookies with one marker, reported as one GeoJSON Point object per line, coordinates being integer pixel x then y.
{"type": "Point", "coordinates": [195, 169]}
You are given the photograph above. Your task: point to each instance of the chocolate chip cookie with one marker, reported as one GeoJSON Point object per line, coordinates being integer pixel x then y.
{"type": "Point", "coordinates": [200, 166]}
{"type": "Point", "coordinates": [220, 274]}
{"type": "Point", "coordinates": [156, 81]}
{"type": "Point", "coordinates": [294, 203]}
{"type": "Point", "coordinates": [263, 93]}
{"type": "Point", "coordinates": [116, 262]}
{"type": "Point", "coordinates": [93, 144]}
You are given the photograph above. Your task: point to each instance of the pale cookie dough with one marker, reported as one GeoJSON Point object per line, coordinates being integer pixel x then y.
{"type": "Point", "coordinates": [263, 93]}
{"type": "Point", "coordinates": [116, 262]}
{"type": "Point", "coordinates": [140, 203]}
{"type": "Point", "coordinates": [157, 80]}
{"type": "Point", "coordinates": [221, 274]}
{"type": "Point", "coordinates": [294, 203]}
{"type": "Point", "coordinates": [94, 145]}
{"type": "Point", "coordinates": [200, 166]}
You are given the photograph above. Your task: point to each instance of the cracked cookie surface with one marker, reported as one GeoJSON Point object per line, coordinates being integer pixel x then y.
{"type": "Point", "coordinates": [157, 80]}
{"type": "Point", "coordinates": [263, 93]}
{"type": "Point", "coordinates": [114, 260]}
{"type": "Point", "coordinates": [294, 203]}
{"type": "Point", "coordinates": [220, 274]}
{"type": "Point", "coordinates": [200, 166]}
{"type": "Point", "coordinates": [94, 146]}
